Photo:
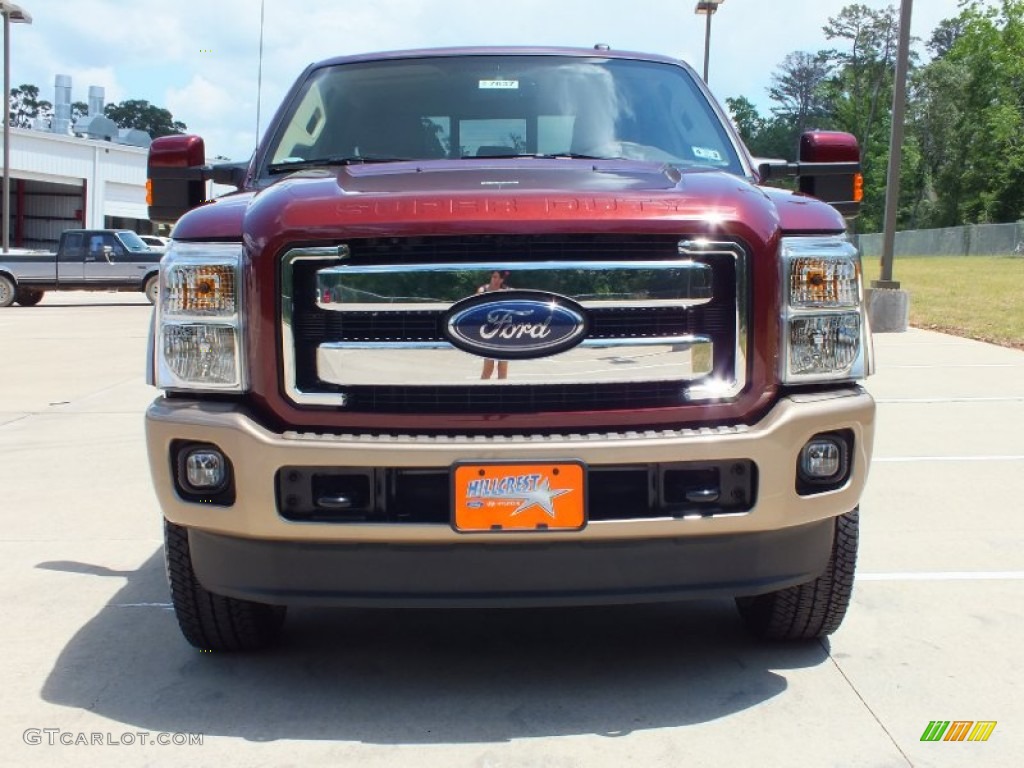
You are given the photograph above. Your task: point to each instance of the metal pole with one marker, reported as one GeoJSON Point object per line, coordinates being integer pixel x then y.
{"type": "Point", "coordinates": [707, 44]}
{"type": "Point", "coordinates": [7, 135]}
{"type": "Point", "coordinates": [892, 184]}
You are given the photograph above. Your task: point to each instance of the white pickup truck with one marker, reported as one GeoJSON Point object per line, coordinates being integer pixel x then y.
{"type": "Point", "coordinates": [86, 259]}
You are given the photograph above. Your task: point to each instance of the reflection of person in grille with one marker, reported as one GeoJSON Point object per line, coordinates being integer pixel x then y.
{"type": "Point", "coordinates": [496, 283]}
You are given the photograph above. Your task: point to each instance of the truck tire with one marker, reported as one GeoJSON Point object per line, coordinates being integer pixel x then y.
{"type": "Point", "coordinates": [811, 610]}
{"type": "Point", "coordinates": [152, 288]}
{"type": "Point", "coordinates": [209, 621]}
{"type": "Point", "coordinates": [7, 291]}
{"type": "Point", "coordinates": [29, 297]}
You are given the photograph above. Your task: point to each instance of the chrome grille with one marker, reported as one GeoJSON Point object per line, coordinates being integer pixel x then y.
{"type": "Point", "coordinates": [665, 323]}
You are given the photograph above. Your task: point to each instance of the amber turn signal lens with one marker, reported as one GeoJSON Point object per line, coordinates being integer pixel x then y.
{"type": "Point", "coordinates": [200, 289]}
{"type": "Point", "coordinates": [858, 187]}
{"type": "Point", "coordinates": [823, 282]}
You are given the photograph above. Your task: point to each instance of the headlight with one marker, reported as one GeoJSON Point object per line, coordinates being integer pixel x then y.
{"type": "Point", "coordinates": [824, 327]}
{"type": "Point", "coordinates": [199, 319]}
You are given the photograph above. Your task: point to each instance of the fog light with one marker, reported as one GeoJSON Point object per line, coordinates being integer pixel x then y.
{"type": "Point", "coordinates": [821, 459]}
{"type": "Point", "coordinates": [205, 469]}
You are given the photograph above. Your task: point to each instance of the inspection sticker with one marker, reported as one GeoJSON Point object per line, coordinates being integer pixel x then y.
{"type": "Point", "coordinates": [499, 85]}
{"type": "Point", "coordinates": [707, 154]}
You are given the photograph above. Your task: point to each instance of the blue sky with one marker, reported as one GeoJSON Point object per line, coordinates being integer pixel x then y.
{"type": "Point", "coordinates": [200, 58]}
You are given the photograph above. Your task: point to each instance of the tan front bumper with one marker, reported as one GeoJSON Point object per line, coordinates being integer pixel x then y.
{"type": "Point", "coordinates": [257, 454]}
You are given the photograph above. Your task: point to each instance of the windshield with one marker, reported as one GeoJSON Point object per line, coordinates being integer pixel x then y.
{"type": "Point", "coordinates": [493, 106]}
{"type": "Point", "coordinates": [132, 241]}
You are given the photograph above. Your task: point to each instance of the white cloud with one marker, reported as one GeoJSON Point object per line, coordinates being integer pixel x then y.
{"type": "Point", "coordinates": [202, 100]}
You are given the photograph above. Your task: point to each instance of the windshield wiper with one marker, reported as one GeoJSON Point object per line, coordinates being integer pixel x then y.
{"type": "Point", "coordinates": [538, 156]}
{"type": "Point", "coordinates": [323, 162]}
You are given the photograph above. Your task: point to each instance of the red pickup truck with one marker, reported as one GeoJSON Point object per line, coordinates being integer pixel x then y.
{"type": "Point", "coordinates": [507, 327]}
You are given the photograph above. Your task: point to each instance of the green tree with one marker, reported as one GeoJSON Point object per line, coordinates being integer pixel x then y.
{"type": "Point", "coordinates": [745, 117]}
{"type": "Point", "coordinates": [26, 106]}
{"type": "Point", "coordinates": [978, 169]}
{"type": "Point", "coordinates": [935, 116]}
{"type": "Point", "coordinates": [139, 113]}
{"type": "Point", "coordinates": [945, 35]}
{"type": "Point", "coordinates": [864, 71]}
{"type": "Point", "coordinates": [865, 66]}
{"type": "Point", "coordinates": [765, 137]}
{"type": "Point", "coordinates": [800, 94]}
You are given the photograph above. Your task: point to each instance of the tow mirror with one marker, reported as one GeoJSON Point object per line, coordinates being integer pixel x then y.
{"type": "Point", "coordinates": [177, 176]}
{"type": "Point", "coordinates": [828, 169]}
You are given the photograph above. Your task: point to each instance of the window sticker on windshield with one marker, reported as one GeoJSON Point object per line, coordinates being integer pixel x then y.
{"type": "Point", "coordinates": [500, 85]}
{"type": "Point", "coordinates": [707, 154]}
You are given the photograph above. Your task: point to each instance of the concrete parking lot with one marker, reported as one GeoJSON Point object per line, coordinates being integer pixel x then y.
{"type": "Point", "coordinates": [91, 651]}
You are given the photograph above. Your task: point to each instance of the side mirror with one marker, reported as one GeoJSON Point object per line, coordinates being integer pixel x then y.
{"type": "Point", "coordinates": [839, 180]}
{"type": "Point", "coordinates": [177, 176]}
{"type": "Point", "coordinates": [108, 251]}
{"type": "Point", "coordinates": [828, 169]}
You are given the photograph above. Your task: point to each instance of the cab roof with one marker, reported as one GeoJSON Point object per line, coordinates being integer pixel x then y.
{"type": "Point", "coordinates": [597, 53]}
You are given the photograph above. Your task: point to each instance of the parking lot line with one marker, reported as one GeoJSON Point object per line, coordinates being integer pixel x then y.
{"type": "Point", "coordinates": [953, 365]}
{"type": "Point", "coordinates": [932, 400]}
{"type": "Point", "coordinates": [906, 459]}
{"type": "Point", "coordinates": [944, 576]}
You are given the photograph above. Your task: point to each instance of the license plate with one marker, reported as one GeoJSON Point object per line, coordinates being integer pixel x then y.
{"type": "Point", "coordinates": [527, 496]}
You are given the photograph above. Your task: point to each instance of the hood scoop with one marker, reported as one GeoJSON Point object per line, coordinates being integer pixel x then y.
{"type": "Point", "coordinates": [518, 174]}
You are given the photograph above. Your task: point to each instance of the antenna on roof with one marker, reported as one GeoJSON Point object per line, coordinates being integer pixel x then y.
{"type": "Point", "coordinates": [259, 73]}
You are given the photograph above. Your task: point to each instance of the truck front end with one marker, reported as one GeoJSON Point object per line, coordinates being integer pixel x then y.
{"type": "Point", "coordinates": [507, 328]}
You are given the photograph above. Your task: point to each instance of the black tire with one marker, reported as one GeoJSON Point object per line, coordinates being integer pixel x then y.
{"type": "Point", "coordinates": [814, 609]}
{"type": "Point", "coordinates": [152, 288]}
{"type": "Point", "coordinates": [29, 297]}
{"type": "Point", "coordinates": [213, 622]}
{"type": "Point", "coordinates": [7, 291]}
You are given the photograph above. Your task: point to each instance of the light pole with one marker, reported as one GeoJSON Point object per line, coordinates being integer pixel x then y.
{"type": "Point", "coordinates": [707, 8]}
{"type": "Point", "coordinates": [13, 14]}
{"type": "Point", "coordinates": [892, 185]}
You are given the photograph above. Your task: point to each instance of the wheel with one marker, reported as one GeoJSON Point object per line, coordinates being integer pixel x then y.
{"type": "Point", "coordinates": [7, 291]}
{"type": "Point", "coordinates": [152, 289]}
{"type": "Point", "coordinates": [29, 297]}
{"type": "Point", "coordinates": [814, 609]}
{"type": "Point", "coordinates": [213, 622]}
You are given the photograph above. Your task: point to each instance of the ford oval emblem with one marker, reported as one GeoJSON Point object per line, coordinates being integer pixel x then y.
{"type": "Point", "coordinates": [516, 325]}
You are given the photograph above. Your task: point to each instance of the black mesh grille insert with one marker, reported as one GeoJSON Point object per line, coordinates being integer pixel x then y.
{"type": "Point", "coordinates": [393, 250]}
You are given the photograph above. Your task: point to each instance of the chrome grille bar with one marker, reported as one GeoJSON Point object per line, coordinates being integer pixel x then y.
{"type": "Point", "coordinates": [441, 364]}
{"type": "Point", "coordinates": [680, 283]}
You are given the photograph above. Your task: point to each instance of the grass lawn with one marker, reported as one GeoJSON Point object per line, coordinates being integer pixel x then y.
{"type": "Point", "coordinates": [980, 297]}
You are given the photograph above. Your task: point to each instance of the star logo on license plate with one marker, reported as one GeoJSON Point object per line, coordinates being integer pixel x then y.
{"type": "Point", "coordinates": [543, 496]}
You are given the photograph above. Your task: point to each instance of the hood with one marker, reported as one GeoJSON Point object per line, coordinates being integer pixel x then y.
{"type": "Point", "coordinates": [506, 196]}
{"type": "Point", "coordinates": [504, 175]}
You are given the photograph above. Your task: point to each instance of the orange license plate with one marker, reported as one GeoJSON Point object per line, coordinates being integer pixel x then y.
{"type": "Point", "coordinates": [519, 497]}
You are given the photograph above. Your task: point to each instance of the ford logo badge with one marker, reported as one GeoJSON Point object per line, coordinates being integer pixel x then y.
{"type": "Point", "coordinates": [516, 325]}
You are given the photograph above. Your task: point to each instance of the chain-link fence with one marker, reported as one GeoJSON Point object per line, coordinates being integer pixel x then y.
{"type": "Point", "coordinates": [970, 240]}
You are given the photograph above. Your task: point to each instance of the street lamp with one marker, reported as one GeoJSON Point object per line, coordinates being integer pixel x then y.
{"type": "Point", "coordinates": [707, 8]}
{"type": "Point", "coordinates": [13, 14]}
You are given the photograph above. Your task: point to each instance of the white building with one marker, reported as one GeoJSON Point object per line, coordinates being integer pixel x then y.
{"type": "Point", "coordinates": [63, 182]}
